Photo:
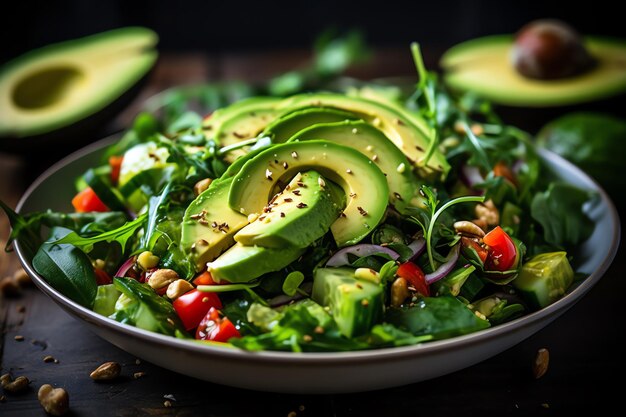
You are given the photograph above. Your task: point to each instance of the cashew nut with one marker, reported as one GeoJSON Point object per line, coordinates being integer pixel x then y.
{"type": "Point", "coordinates": [54, 400]}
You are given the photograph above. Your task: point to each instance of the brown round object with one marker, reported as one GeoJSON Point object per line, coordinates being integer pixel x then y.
{"type": "Point", "coordinates": [550, 49]}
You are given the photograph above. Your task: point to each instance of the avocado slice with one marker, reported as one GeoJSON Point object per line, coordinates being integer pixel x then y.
{"type": "Point", "coordinates": [356, 305]}
{"type": "Point", "coordinates": [411, 137]}
{"type": "Point", "coordinates": [244, 263]}
{"type": "Point", "coordinates": [371, 142]}
{"type": "Point", "coordinates": [209, 224]}
{"type": "Point", "coordinates": [55, 87]}
{"type": "Point", "coordinates": [413, 140]}
{"type": "Point", "coordinates": [282, 129]}
{"type": "Point", "coordinates": [545, 278]}
{"type": "Point", "coordinates": [483, 66]}
{"type": "Point", "coordinates": [363, 182]}
{"type": "Point", "coordinates": [298, 216]}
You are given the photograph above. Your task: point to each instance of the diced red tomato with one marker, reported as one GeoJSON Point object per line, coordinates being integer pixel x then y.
{"type": "Point", "coordinates": [502, 170]}
{"type": "Point", "coordinates": [204, 279]}
{"type": "Point", "coordinates": [193, 306]}
{"type": "Point", "coordinates": [116, 165]}
{"type": "Point", "coordinates": [415, 276]}
{"type": "Point", "coordinates": [480, 251]}
{"type": "Point", "coordinates": [102, 278]}
{"type": "Point", "coordinates": [502, 250]}
{"type": "Point", "coordinates": [87, 200]}
{"type": "Point", "coordinates": [216, 327]}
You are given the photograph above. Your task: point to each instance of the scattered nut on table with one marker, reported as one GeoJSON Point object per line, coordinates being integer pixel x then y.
{"type": "Point", "coordinates": [540, 365]}
{"type": "Point", "coordinates": [106, 372]}
{"type": "Point", "coordinates": [14, 386]}
{"type": "Point", "coordinates": [55, 401]}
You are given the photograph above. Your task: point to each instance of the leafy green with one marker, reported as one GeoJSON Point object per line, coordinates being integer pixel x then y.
{"type": "Point", "coordinates": [292, 282]}
{"type": "Point", "coordinates": [592, 141]}
{"type": "Point", "coordinates": [66, 268]}
{"type": "Point", "coordinates": [427, 219]}
{"type": "Point", "coordinates": [438, 317]}
{"type": "Point", "coordinates": [144, 308]}
{"type": "Point", "coordinates": [559, 210]}
{"type": "Point", "coordinates": [120, 235]}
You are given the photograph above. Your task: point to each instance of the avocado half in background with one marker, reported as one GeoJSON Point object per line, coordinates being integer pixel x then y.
{"type": "Point", "coordinates": [484, 67]}
{"type": "Point", "coordinates": [63, 93]}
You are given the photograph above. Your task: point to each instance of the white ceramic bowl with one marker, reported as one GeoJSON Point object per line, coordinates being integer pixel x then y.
{"type": "Point", "coordinates": [322, 372]}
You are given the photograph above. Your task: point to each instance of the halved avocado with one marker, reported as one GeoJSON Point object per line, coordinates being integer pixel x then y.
{"type": "Point", "coordinates": [288, 125]}
{"type": "Point", "coordinates": [484, 66]}
{"type": "Point", "coordinates": [363, 182]}
{"type": "Point", "coordinates": [54, 88]}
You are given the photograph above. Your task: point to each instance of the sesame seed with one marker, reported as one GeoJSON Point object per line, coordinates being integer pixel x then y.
{"type": "Point", "coordinates": [353, 195]}
{"type": "Point", "coordinates": [205, 299]}
{"type": "Point", "coordinates": [401, 168]}
{"type": "Point", "coordinates": [399, 122]}
{"type": "Point", "coordinates": [285, 165]}
{"type": "Point", "coordinates": [375, 158]}
{"type": "Point", "coordinates": [343, 214]}
{"type": "Point", "coordinates": [282, 214]}
{"type": "Point", "coordinates": [321, 182]}
{"type": "Point", "coordinates": [294, 155]}
{"type": "Point", "coordinates": [419, 148]}
{"type": "Point", "coordinates": [301, 184]}
{"type": "Point", "coordinates": [369, 148]}
{"type": "Point", "coordinates": [307, 338]}
{"type": "Point", "coordinates": [349, 171]}
{"type": "Point", "coordinates": [288, 200]}
{"type": "Point", "coordinates": [355, 130]}
{"type": "Point", "coordinates": [365, 303]}
{"type": "Point", "coordinates": [262, 218]}
{"type": "Point", "coordinates": [268, 174]}
{"type": "Point", "coordinates": [301, 205]}
{"type": "Point", "coordinates": [296, 192]}
{"type": "Point", "coordinates": [239, 135]}
{"type": "Point", "coordinates": [214, 225]}
{"type": "Point", "coordinates": [362, 211]}
{"type": "Point", "coordinates": [397, 196]}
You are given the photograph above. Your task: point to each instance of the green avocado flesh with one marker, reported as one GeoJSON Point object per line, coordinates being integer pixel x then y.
{"type": "Point", "coordinates": [363, 183]}
{"type": "Point", "coordinates": [356, 305]}
{"type": "Point", "coordinates": [484, 67]}
{"type": "Point", "coordinates": [209, 224]}
{"type": "Point", "coordinates": [245, 263]}
{"type": "Point", "coordinates": [413, 139]}
{"type": "Point", "coordinates": [298, 216]}
{"type": "Point", "coordinates": [58, 85]}
{"type": "Point", "coordinates": [288, 125]}
{"type": "Point", "coordinates": [545, 278]}
{"type": "Point", "coordinates": [371, 142]}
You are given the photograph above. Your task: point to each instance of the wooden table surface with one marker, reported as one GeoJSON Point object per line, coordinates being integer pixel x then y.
{"type": "Point", "coordinates": [587, 347]}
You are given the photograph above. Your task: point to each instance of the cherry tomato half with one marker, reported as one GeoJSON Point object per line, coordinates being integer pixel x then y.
{"type": "Point", "coordinates": [204, 278]}
{"type": "Point", "coordinates": [415, 276]}
{"type": "Point", "coordinates": [102, 278]}
{"type": "Point", "coordinates": [502, 250]}
{"type": "Point", "coordinates": [193, 306]}
{"type": "Point", "coordinates": [115, 162]}
{"type": "Point", "coordinates": [215, 326]}
{"type": "Point", "coordinates": [87, 200]}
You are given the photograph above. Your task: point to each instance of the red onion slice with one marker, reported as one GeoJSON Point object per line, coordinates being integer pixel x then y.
{"type": "Point", "coordinates": [445, 268]}
{"type": "Point", "coordinates": [341, 257]}
{"type": "Point", "coordinates": [284, 299]}
{"type": "Point", "coordinates": [126, 266]}
{"type": "Point", "coordinates": [471, 176]}
{"type": "Point", "coordinates": [417, 246]}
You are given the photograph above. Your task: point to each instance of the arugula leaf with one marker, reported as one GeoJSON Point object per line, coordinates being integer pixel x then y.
{"type": "Point", "coordinates": [120, 235]}
{"type": "Point", "coordinates": [559, 210]}
{"type": "Point", "coordinates": [66, 268]}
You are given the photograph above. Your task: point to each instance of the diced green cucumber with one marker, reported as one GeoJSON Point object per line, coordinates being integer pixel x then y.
{"type": "Point", "coordinates": [106, 297]}
{"type": "Point", "coordinates": [545, 278]}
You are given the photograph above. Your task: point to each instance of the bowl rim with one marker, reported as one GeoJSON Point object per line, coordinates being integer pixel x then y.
{"type": "Point", "coordinates": [317, 358]}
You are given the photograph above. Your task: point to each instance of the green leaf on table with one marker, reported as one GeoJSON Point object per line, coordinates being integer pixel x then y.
{"type": "Point", "coordinates": [66, 268]}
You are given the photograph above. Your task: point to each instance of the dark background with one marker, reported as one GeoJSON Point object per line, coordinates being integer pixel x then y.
{"type": "Point", "coordinates": [231, 25]}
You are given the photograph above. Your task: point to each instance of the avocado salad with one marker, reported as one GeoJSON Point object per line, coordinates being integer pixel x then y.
{"type": "Point", "coordinates": [360, 218]}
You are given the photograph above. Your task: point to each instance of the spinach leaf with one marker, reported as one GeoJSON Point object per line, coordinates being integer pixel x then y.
{"type": "Point", "coordinates": [145, 309]}
{"type": "Point", "coordinates": [67, 269]}
{"type": "Point", "coordinates": [559, 210]}
{"type": "Point", "coordinates": [120, 235]}
{"type": "Point", "coordinates": [438, 317]}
